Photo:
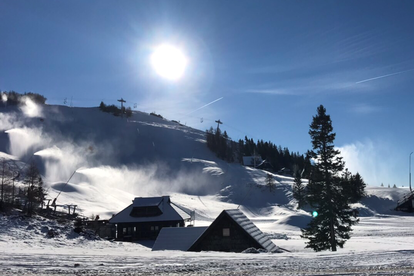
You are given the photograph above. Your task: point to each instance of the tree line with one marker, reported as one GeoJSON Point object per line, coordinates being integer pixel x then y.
{"type": "Point", "coordinates": [15, 98]}
{"type": "Point", "coordinates": [30, 196]}
{"type": "Point", "coordinates": [114, 110]}
{"type": "Point", "coordinates": [277, 158]}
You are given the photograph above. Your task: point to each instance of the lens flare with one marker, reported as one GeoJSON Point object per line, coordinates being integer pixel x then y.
{"type": "Point", "coordinates": [169, 62]}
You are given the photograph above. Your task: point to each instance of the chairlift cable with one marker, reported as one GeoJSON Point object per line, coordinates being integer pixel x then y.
{"type": "Point", "coordinates": [64, 186]}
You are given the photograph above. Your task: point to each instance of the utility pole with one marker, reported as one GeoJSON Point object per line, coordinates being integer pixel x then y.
{"type": "Point", "coordinates": [122, 106]}
{"type": "Point", "coordinates": [218, 124]}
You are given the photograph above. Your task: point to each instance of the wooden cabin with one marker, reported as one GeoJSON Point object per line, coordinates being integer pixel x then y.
{"type": "Point", "coordinates": [231, 231]}
{"type": "Point", "coordinates": [146, 216]}
{"type": "Point", "coordinates": [405, 204]}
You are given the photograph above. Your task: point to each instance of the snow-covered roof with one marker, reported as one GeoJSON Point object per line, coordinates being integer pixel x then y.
{"type": "Point", "coordinates": [177, 238]}
{"type": "Point", "coordinates": [180, 211]}
{"type": "Point", "coordinates": [251, 229]}
{"type": "Point", "coordinates": [167, 211]}
{"type": "Point", "coordinates": [146, 201]}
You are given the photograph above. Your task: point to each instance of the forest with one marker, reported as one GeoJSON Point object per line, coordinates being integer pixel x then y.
{"type": "Point", "coordinates": [277, 159]}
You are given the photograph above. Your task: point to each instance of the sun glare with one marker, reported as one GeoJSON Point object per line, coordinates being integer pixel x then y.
{"type": "Point", "coordinates": [169, 62]}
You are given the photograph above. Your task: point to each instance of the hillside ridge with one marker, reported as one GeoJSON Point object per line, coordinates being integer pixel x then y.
{"type": "Point", "coordinates": [116, 159]}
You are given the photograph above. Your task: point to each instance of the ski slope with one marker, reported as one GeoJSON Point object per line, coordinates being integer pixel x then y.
{"type": "Point", "coordinates": [115, 159]}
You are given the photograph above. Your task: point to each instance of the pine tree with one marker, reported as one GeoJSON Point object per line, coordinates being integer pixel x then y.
{"type": "Point", "coordinates": [35, 193]}
{"type": "Point", "coordinates": [270, 182]}
{"type": "Point", "coordinates": [357, 188]}
{"type": "Point", "coordinates": [298, 190]}
{"type": "Point", "coordinates": [5, 176]}
{"type": "Point", "coordinates": [346, 183]}
{"type": "Point", "coordinates": [102, 106]}
{"type": "Point", "coordinates": [332, 226]}
{"type": "Point", "coordinates": [3, 180]}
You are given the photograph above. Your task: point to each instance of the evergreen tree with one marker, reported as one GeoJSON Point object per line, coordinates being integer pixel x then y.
{"type": "Point", "coordinates": [298, 190]}
{"type": "Point", "coordinates": [347, 184]}
{"type": "Point", "coordinates": [102, 106]}
{"type": "Point", "coordinates": [353, 186]}
{"type": "Point", "coordinates": [358, 188]}
{"type": "Point", "coordinates": [35, 193]}
{"type": "Point", "coordinates": [270, 182]}
{"type": "Point", "coordinates": [5, 177]}
{"type": "Point", "coordinates": [332, 226]}
{"type": "Point", "coordinates": [210, 139]}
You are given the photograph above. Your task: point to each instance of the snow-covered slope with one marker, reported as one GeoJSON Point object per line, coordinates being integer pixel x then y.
{"type": "Point", "coordinates": [116, 159]}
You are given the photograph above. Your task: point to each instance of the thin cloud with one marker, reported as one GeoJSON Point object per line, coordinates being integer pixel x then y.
{"type": "Point", "coordinates": [270, 91]}
{"type": "Point", "coordinates": [364, 108]}
{"type": "Point", "coordinates": [337, 82]}
{"type": "Point", "coordinates": [383, 76]}
{"type": "Point", "coordinates": [206, 105]}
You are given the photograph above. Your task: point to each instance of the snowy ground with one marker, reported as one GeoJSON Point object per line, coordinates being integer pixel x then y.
{"type": "Point", "coordinates": [381, 245]}
{"type": "Point", "coordinates": [178, 263]}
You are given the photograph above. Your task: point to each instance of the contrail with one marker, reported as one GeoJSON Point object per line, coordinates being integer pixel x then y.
{"type": "Point", "coordinates": [205, 105]}
{"type": "Point", "coordinates": [384, 76]}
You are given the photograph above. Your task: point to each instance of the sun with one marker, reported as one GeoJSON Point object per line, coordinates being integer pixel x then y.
{"type": "Point", "coordinates": [169, 62]}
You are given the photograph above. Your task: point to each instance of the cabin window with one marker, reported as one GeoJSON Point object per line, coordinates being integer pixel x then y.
{"type": "Point", "coordinates": [226, 232]}
{"type": "Point", "coordinates": [154, 228]}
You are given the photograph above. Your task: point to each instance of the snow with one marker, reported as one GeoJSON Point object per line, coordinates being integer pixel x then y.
{"type": "Point", "coordinates": [26, 250]}
{"type": "Point", "coordinates": [118, 159]}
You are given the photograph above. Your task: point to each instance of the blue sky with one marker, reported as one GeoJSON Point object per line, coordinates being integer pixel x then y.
{"type": "Point", "coordinates": [271, 63]}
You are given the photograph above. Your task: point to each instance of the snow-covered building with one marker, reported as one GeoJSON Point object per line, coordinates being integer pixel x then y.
{"type": "Point", "coordinates": [231, 231]}
{"type": "Point", "coordinates": [146, 216]}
